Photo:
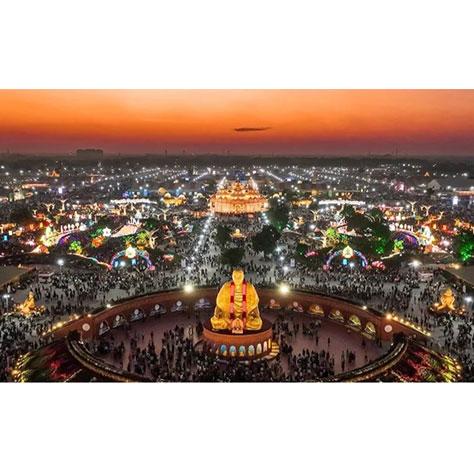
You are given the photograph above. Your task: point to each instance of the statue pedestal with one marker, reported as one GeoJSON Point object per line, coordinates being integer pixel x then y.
{"type": "Point", "coordinates": [437, 311]}
{"type": "Point", "coordinates": [246, 346]}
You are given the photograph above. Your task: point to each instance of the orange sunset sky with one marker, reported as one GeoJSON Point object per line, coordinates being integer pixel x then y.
{"type": "Point", "coordinates": [239, 121]}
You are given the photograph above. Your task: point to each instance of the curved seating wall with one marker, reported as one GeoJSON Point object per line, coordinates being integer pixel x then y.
{"type": "Point", "coordinates": [89, 325]}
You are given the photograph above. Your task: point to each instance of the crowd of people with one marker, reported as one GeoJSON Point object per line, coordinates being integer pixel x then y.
{"type": "Point", "coordinates": [180, 360]}
{"type": "Point", "coordinates": [73, 291]}
{"type": "Point", "coordinates": [307, 352]}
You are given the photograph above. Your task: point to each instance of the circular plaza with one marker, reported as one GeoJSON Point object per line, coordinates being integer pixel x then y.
{"type": "Point", "coordinates": [305, 336]}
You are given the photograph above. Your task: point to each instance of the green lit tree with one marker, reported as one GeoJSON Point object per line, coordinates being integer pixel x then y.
{"type": "Point", "coordinates": [398, 246]}
{"type": "Point", "coordinates": [278, 214]}
{"type": "Point", "coordinates": [75, 247]}
{"type": "Point", "coordinates": [463, 246]}
{"type": "Point", "coordinates": [143, 238]}
{"type": "Point", "coordinates": [151, 224]}
{"type": "Point", "coordinates": [332, 237]}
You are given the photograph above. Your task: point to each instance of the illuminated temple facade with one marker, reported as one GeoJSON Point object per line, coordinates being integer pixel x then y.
{"type": "Point", "coordinates": [238, 198]}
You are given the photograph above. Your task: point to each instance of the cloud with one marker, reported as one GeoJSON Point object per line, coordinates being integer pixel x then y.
{"type": "Point", "coordinates": [251, 129]}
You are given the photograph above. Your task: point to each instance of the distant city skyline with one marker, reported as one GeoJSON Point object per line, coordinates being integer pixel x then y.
{"type": "Point", "coordinates": [239, 122]}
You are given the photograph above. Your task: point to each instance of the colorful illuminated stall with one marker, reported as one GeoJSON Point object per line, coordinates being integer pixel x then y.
{"type": "Point", "coordinates": [348, 257]}
{"type": "Point", "coordinates": [132, 256]}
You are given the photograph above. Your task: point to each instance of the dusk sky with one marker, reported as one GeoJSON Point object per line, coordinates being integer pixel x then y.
{"type": "Point", "coordinates": [239, 121]}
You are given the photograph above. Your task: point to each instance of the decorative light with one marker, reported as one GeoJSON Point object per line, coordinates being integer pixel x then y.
{"type": "Point", "coordinates": [131, 252]}
{"type": "Point", "coordinates": [348, 252]}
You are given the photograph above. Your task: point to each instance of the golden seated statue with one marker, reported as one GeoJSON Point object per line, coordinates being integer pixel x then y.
{"type": "Point", "coordinates": [28, 307]}
{"type": "Point", "coordinates": [237, 306]}
{"type": "Point", "coordinates": [446, 301]}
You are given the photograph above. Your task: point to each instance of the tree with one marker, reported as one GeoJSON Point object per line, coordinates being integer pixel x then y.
{"type": "Point", "coordinates": [332, 237]}
{"type": "Point", "coordinates": [314, 206]}
{"type": "Point", "coordinates": [265, 241]}
{"type": "Point", "coordinates": [348, 211]}
{"type": "Point", "coordinates": [290, 195]}
{"type": "Point", "coordinates": [232, 256]}
{"type": "Point", "coordinates": [379, 233]}
{"type": "Point", "coordinates": [278, 214]}
{"type": "Point", "coordinates": [302, 249]}
{"type": "Point", "coordinates": [21, 215]}
{"type": "Point", "coordinates": [372, 226]}
{"type": "Point", "coordinates": [356, 221]}
{"type": "Point", "coordinates": [398, 245]}
{"type": "Point", "coordinates": [142, 239]}
{"type": "Point", "coordinates": [151, 224]}
{"type": "Point", "coordinates": [222, 235]}
{"type": "Point", "coordinates": [463, 246]}
{"type": "Point", "coordinates": [75, 247]}
{"type": "Point", "coordinates": [105, 221]}
{"type": "Point", "coordinates": [310, 258]}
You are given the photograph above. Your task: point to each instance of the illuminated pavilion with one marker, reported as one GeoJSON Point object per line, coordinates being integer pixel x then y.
{"type": "Point", "coordinates": [238, 198]}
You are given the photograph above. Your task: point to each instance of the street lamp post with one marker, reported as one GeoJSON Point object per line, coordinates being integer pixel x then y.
{"type": "Point", "coordinates": [6, 296]}
{"type": "Point", "coordinates": [468, 300]}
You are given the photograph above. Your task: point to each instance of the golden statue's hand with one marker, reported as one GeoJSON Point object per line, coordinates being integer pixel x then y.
{"type": "Point", "coordinates": [218, 321]}
{"type": "Point", "coordinates": [254, 313]}
{"type": "Point", "coordinates": [254, 322]}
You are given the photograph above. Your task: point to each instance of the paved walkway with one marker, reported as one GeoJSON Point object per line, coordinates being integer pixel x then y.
{"type": "Point", "coordinates": [341, 338]}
